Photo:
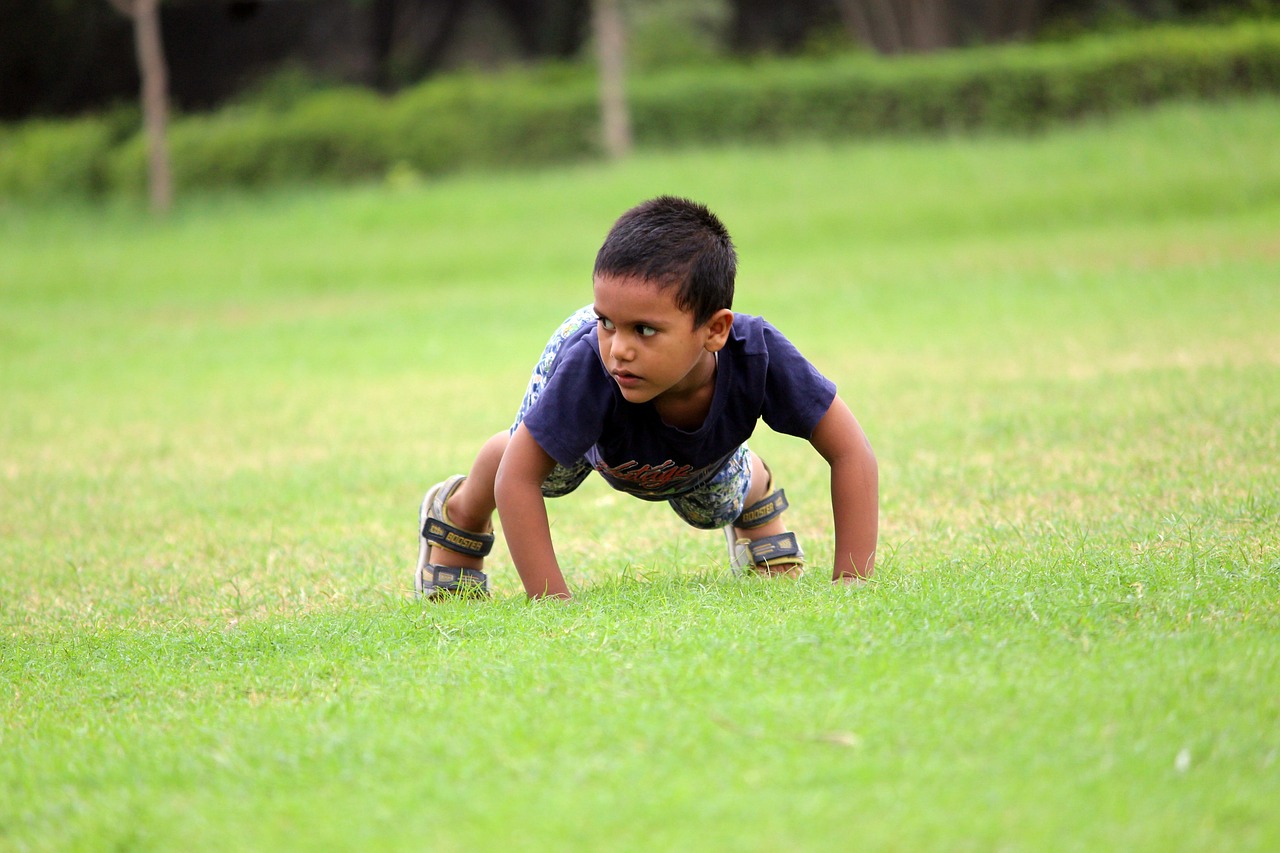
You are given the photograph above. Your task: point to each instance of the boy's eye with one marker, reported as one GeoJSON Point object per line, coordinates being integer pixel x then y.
{"type": "Point", "coordinates": [646, 331]}
{"type": "Point", "coordinates": [606, 324]}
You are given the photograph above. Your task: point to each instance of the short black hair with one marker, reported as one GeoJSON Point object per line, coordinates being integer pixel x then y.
{"type": "Point", "coordinates": [674, 242]}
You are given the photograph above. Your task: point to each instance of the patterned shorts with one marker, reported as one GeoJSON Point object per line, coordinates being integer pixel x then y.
{"type": "Point", "coordinates": [709, 507]}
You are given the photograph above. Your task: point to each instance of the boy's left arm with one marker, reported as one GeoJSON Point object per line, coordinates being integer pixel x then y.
{"type": "Point", "coordinates": [855, 491]}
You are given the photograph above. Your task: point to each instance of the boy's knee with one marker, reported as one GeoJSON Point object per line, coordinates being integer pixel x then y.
{"type": "Point", "coordinates": [761, 481]}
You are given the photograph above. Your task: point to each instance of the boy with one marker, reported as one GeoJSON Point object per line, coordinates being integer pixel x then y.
{"type": "Point", "coordinates": [656, 386]}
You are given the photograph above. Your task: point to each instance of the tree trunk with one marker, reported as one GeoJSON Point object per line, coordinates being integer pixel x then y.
{"type": "Point", "coordinates": [930, 27]}
{"type": "Point", "coordinates": [610, 36]}
{"type": "Point", "coordinates": [894, 26]}
{"type": "Point", "coordinates": [155, 97]}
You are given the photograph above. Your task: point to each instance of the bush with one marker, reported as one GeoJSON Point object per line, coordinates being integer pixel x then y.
{"type": "Point", "coordinates": [47, 159]}
{"type": "Point", "coordinates": [492, 121]}
{"type": "Point", "coordinates": [1007, 88]}
{"type": "Point", "coordinates": [549, 114]}
{"type": "Point", "coordinates": [339, 135]}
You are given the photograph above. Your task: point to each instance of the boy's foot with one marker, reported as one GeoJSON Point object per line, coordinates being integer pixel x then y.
{"type": "Point", "coordinates": [770, 556]}
{"type": "Point", "coordinates": [436, 580]}
{"type": "Point", "coordinates": [774, 556]}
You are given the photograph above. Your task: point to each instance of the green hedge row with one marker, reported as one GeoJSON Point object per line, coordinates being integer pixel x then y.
{"type": "Point", "coordinates": [1009, 88]}
{"type": "Point", "coordinates": [550, 115]}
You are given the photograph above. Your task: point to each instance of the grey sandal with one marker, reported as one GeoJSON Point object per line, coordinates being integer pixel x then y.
{"type": "Point", "coordinates": [432, 580]}
{"type": "Point", "coordinates": [747, 553]}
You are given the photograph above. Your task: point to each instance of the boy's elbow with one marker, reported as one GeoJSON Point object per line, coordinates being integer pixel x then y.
{"type": "Point", "coordinates": [869, 457]}
{"type": "Point", "coordinates": [520, 472]}
{"type": "Point", "coordinates": [860, 462]}
{"type": "Point", "coordinates": [840, 439]}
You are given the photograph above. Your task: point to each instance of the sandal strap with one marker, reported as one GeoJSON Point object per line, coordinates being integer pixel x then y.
{"type": "Point", "coordinates": [780, 548]}
{"type": "Point", "coordinates": [437, 531]}
{"type": "Point", "coordinates": [458, 580]}
{"type": "Point", "coordinates": [445, 535]}
{"type": "Point", "coordinates": [763, 511]}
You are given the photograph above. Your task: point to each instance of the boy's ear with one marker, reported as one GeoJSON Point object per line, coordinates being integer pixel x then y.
{"type": "Point", "coordinates": [718, 330]}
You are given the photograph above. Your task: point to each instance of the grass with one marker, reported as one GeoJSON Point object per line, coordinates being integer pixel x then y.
{"type": "Point", "coordinates": [1064, 349]}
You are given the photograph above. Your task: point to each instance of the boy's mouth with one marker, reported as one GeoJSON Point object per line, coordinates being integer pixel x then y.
{"type": "Point", "coordinates": [626, 379]}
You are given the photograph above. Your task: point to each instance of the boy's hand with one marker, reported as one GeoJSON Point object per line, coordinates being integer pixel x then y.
{"type": "Point", "coordinates": [523, 512]}
{"type": "Point", "coordinates": [855, 492]}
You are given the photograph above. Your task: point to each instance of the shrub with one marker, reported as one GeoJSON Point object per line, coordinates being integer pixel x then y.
{"type": "Point", "coordinates": [549, 114]}
{"type": "Point", "coordinates": [339, 135]}
{"type": "Point", "coordinates": [1014, 87]}
{"type": "Point", "coordinates": [510, 119]}
{"type": "Point", "coordinates": [47, 159]}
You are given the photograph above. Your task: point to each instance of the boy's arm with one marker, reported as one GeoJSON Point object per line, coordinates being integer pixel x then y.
{"type": "Point", "coordinates": [523, 511]}
{"type": "Point", "coordinates": [855, 491]}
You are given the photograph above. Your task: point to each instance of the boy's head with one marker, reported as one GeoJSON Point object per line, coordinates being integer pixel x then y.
{"type": "Point", "coordinates": [678, 244]}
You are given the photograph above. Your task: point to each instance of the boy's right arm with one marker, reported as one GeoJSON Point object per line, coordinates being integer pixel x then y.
{"type": "Point", "coordinates": [523, 511]}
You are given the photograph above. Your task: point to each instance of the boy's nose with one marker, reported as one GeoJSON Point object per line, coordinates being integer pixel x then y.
{"type": "Point", "coordinates": [623, 348]}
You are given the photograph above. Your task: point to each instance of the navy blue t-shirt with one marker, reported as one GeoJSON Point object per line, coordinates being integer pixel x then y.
{"type": "Point", "coordinates": [759, 374]}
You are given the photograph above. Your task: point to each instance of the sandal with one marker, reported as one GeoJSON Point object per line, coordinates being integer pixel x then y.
{"type": "Point", "coordinates": [752, 553]}
{"type": "Point", "coordinates": [431, 579]}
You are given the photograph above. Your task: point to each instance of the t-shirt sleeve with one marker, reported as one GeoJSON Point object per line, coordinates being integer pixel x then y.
{"type": "Point", "coordinates": [796, 395]}
{"type": "Point", "coordinates": [568, 417]}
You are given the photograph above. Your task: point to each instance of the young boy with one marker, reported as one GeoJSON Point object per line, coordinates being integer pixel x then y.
{"type": "Point", "coordinates": [656, 386]}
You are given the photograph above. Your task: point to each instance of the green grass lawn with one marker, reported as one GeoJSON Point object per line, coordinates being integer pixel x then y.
{"type": "Point", "coordinates": [1065, 349]}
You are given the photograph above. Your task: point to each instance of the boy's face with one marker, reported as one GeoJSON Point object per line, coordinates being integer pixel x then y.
{"type": "Point", "coordinates": [649, 344]}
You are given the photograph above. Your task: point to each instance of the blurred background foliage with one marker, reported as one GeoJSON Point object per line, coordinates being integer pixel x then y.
{"type": "Point", "coordinates": [61, 57]}
{"type": "Point", "coordinates": [278, 91]}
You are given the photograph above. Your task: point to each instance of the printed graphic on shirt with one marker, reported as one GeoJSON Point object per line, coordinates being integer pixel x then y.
{"type": "Point", "coordinates": [654, 479]}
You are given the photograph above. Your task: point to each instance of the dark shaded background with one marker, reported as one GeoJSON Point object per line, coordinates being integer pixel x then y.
{"type": "Point", "coordinates": [62, 57]}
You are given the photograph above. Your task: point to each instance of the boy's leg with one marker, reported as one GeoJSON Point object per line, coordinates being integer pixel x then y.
{"type": "Point", "coordinates": [468, 507]}
{"type": "Point", "coordinates": [471, 505]}
{"type": "Point", "coordinates": [762, 487]}
{"type": "Point", "coordinates": [740, 500]}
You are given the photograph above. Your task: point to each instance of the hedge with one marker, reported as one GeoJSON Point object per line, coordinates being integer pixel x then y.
{"type": "Point", "coordinates": [549, 115]}
{"type": "Point", "coordinates": [1011, 88]}
{"type": "Point", "coordinates": [48, 158]}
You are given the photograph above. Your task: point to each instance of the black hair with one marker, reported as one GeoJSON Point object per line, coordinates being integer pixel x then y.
{"type": "Point", "coordinates": [674, 243]}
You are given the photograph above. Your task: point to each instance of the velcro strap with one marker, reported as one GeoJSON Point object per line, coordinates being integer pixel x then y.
{"type": "Point", "coordinates": [782, 547]}
{"type": "Point", "coordinates": [450, 579]}
{"type": "Point", "coordinates": [763, 511]}
{"type": "Point", "coordinates": [445, 535]}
